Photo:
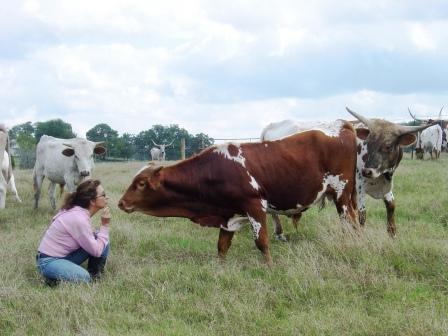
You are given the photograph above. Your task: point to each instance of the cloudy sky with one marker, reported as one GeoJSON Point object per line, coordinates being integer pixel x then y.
{"type": "Point", "coordinates": [224, 68]}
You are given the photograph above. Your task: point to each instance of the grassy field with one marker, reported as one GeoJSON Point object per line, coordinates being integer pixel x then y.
{"type": "Point", "coordinates": [163, 277]}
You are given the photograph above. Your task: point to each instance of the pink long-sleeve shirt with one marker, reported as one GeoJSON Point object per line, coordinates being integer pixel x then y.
{"type": "Point", "coordinates": [71, 229]}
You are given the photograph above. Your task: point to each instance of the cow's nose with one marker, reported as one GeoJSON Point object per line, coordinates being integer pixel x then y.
{"type": "Point", "coordinates": [121, 204]}
{"type": "Point", "coordinates": [84, 173]}
{"type": "Point", "coordinates": [367, 172]}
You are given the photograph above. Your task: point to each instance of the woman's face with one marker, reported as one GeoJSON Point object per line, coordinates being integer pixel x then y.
{"type": "Point", "coordinates": [101, 198]}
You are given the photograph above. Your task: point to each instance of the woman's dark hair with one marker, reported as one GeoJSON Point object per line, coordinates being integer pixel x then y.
{"type": "Point", "coordinates": [85, 192]}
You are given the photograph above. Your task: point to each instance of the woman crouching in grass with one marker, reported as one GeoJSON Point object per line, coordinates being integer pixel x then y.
{"type": "Point", "coordinates": [71, 239]}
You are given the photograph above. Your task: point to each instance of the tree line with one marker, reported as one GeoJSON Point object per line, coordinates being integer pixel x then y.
{"type": "Point", "coordinates": [119, 147]}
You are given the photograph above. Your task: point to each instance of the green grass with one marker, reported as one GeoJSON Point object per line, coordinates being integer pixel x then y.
{"type": "Point", "coordinates": [163, 277]}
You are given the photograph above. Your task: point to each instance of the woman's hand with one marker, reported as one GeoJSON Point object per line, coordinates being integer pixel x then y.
{"type": "Point", "coordinates": [105, 216]}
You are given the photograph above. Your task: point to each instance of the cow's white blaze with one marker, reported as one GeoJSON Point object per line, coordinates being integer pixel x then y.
{"type": "Point", "coordinates": [224, 150]}
{"type": "Point", "coordinates": [333, 181]}
{"type": "Point", "coordinates": [389, 197]}
{"type": "Point", "coordinates": [253, 182]}
{"type": "Point", "coordinates": [264, 204]}
{"type": "Point", "coordinates": [256, 227]}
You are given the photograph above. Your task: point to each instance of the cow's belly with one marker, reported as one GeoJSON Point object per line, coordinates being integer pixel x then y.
{"type": "Point", "coordinates": [287, 212]}
{"type": "Point", "coordinates": [54, 176]}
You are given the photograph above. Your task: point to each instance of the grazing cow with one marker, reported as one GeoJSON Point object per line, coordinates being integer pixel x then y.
{"type": "Point", "coordinates": [63, 162]}
{"type": "Point", "coordinates": [227, 184]}
{"type": "Point", "coordinates": [7, 172]}
{"type": "Point", "coordinates": [4, 146]}
{"type": "Point", "coordinates": [429, 141]}
{"type": "Point", "coordinates": [158, 154]}
{"type": "Point", "coordinates": [378, 155]}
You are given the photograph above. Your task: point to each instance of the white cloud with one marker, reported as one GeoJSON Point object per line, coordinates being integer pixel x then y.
{"type": "Point", "coordinates": [225, 68]}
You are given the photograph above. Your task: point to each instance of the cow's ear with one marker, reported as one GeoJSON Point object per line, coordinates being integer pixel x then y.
{"type": "Point", "coordinates": [406, 139]}
{"type": "Point", "coordinates": [154, 180]}
{"type": "Point", "coordinates": [99, 150]}
{"type": "Point", "coordinates": [362, 133]}
{"type": "Point", "coordinates": [68, 151]}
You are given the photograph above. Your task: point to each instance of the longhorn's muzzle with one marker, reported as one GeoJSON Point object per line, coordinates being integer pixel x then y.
{"type": "Point", "coordinates": [367, 172]}
{"type": "Point", "coordinates": [84, 173]}
{"type": "Point", "coordinates": [122, 206]}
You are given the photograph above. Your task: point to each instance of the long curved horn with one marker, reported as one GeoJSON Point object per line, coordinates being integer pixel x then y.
{"type": "Point", "coordinates": [412, 115]}
{"type": "Point", "coordinates": [154, 143]}
{"type": "Point", "coordinates": [68, 145]}
{"type": "Point", "coordinates": [362, 119]}
{"type": "Point", "coordinates": [412, 129]}
{"type": "Point", "coordinates": [170, 143]}
{"type": "Point", "coordinates": [440, 113]}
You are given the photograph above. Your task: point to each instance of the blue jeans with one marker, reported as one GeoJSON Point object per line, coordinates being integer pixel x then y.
{"type": "Point", "coordinates": [68, 268]}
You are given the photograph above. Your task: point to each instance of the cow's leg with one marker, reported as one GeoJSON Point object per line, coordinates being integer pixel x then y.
{"type": "Point", "coordinates": [257, 219]}
{"type": "Point", "coordinates": [347, 211]}
{"type": "Point", "coordinates": [12, 187]}
{"type": "Point", "coordinates": [295, 220]}
{"type": "Point", "coordinates": [278, 231]}
{"type": "Point", "coordinates": [51, 194]}
{"type": "Point", "coordinates": [3, 185]}
{"type": "Point", "coordinates": [37, 184]}
{"type": "Point", "coordinates": [224, 242]}
{"type": "Point", "coordinates": [361, 197]}
{"type": "Point", "coordinates": [389, 202]}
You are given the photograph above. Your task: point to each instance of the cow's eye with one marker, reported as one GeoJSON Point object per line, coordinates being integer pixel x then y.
{"type": "Point", "coordinates": [141, 184]}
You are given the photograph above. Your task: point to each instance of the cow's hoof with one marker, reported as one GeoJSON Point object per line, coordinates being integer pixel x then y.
{"type": "Point", "coordinates": [281, 237]}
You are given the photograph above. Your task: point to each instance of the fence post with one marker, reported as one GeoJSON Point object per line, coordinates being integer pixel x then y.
{"type": "Point", "coordinates": [182, 149]}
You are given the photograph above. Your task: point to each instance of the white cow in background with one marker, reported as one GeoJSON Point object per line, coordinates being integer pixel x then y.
{"type": "Point", "coordinates": [429, 141]}
{"type": "Point", "coordinates": [158, 154]}
{"type": "Point", "coordinates": [64, 162]}
{"type": "Point", "coordinates": [4, 146]}
{"type": "Point", "coordinates": [7, 171]}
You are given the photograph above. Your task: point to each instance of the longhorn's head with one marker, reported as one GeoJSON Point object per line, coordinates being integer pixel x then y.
{"type": "Point", "coordinates": [82, 151]}
{"type": "Point", "coordinates": [384, 141]}
{"type": "Point", "coordinates": [162, 148]}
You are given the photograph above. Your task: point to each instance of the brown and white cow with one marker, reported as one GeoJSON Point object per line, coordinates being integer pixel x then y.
{"type": "Point", "coordinates": [379, 153]}
{"type": "Point", "coordinates": [226, 184]}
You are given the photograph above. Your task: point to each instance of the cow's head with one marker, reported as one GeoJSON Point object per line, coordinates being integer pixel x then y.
{"type": "Point", "coordinates": [144, 194]}
{"type": "Point", "coordinates": [384, 141]}
{"type": "Point", "coordinates": [82, 151]}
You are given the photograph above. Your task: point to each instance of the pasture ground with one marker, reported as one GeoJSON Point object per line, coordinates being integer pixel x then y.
{"type": "Point", "coordinates": [163, 277]}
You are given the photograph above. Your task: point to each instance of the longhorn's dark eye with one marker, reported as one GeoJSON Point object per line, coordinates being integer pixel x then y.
{"type": "Point", "coordinates": [141, 184]}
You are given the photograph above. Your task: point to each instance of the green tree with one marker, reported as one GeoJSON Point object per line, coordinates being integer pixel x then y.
{"type": "Point", "coordinates": [26, 128]}
{"type": "Point", "coordinates": [56, 127]}
{"type": "Point", "coordinates": [26, 151]}
{"type": "Point", "coordinates": [159, 134]}
{"type": "Point", "coordinates": [125, 146]}
{"type": "Point", "coordinates": [103, 132]}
